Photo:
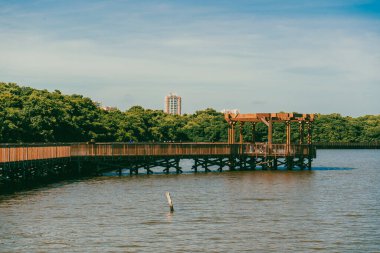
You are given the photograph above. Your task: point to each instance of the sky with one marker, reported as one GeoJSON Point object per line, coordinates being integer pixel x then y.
{"type": "Point", "coordinates": [307, 56]}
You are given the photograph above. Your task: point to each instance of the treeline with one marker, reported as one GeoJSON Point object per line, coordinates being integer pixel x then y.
{"type": "Point", "coordinates": [31, 115]}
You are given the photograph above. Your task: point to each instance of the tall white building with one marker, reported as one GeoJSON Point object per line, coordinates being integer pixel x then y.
{"type": "Point", "coordinates": [173, 104]}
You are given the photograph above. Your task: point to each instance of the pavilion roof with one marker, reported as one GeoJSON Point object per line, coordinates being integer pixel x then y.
{"type": "Point", "coordinates": [275, 117]}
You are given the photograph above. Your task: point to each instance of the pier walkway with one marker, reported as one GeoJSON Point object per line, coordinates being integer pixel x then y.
{"type": "Point", "coordinates": [24, 153]}
{"type": "Point", "coordinates": [20, 162]}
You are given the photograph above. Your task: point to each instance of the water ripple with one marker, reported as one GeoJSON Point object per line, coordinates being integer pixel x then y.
{"type": "Point", "coordinates": [333, 208]}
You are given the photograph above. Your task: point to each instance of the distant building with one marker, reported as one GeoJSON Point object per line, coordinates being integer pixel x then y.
{"type": "Point", "coordinates": [231, 111]}
{"type": "Point", "coordinates": [109, 108]}
{"type": "Point", "coordinates": [173, 104]}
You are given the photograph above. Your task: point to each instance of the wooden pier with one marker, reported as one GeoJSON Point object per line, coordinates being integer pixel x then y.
{"type": "Point", "coordinates": [24, 163]}
{"type": "Point", "coordinates": [288, 154]}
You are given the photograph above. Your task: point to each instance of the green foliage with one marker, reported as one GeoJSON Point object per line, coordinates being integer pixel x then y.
{"type": "Point", "coordinates": [206, 126]}
{"type": "Point", "coordinates": [30, 115]}
{"type": "Point", "coordinates": [335, 128]}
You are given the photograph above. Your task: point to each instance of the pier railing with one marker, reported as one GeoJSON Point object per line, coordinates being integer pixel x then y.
{"type": "Point", "coordinates": [149, 149]}
{"type": "Point", "coordinates": [280, 150]}
{"type": "Point", "coordinates": [29, 152]}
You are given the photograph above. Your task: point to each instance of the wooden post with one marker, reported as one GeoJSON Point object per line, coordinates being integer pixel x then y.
{"type": "Point", "coordinates": [270, 131]}
{"type": "Point", "coordinates": [177, 168]}
{"type": "Point", "coordinates": [232, 133]}
{"type": "Point", "coordinates": [301, 130]}
{"type": "Point", "coordinates": [228, 134]}
{"type": "Point", "coordinates": [206, 162]}
{"type": "Point", "coordinates": [231, 163]}
{"type": "Point", "coordinates": [289, 163]}
{"type": "Point", "coordinates": [170, 202]}
{"type": "Point", "coordinates": [79, 168]}
{"type": "Point", "coordinates": [309, 137]}
{"type": "Point", "coordinates": [287, 137]}
{"type": "Point", "coordinates": [253, 132]}
{"type": "Point", "coordinates": [220, 169]}
{"type": "Point", "coordinates": [270, 134]}
{"type": "Point", "coordinates": [195, 166]}
{"type": "Point", "coordinates": [309, 142]}
{"type": "Point", "coordinates": [241, 132]}
{"type": "Point", "coordinates": [252, 163]}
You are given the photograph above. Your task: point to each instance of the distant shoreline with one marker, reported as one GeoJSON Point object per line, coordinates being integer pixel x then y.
{"type": "Point", "coordinates": [347, 145]}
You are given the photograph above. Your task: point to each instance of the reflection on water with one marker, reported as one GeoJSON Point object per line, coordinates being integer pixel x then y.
{"type": "Point", "coordinates": [331, 168]}
{"type": "Point", "coordinates": [331, 208]}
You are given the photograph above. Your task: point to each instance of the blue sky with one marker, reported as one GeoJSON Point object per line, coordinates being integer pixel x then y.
{"type": "Point", "coordinates": [256, 56]}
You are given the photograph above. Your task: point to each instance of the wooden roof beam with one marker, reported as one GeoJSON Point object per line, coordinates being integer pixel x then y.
{"type": "Point", "coordinates": [275, 117]}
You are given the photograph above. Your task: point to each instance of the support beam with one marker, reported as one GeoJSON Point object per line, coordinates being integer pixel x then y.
{"type": "Point", "coordinates": [309, 142]}
{"type": "Point", "coordinates": [228, 134]}
{"type": "Point", "coordinates": [79, 168]}
{"type": "Point", "coordinates": [241, 132]}
{"type": "Point", "coordinates": [221, 164]}
{"type": "Point", "coordinates": [301, 131]}
{"type": "Point", "coordinates": [309, 163]}
{"type": "Point", "coordinates": [309, 128]}
{"type": "Point", "coordinates": [231, 133]}
{"type": "Point", "coordinates": [288, 140]}
{"type": "Point", "coordinates": [265, 121]}
{"type": "Point", "coordinates": [270, 132]}
{"type": "Point", "coordinates": [275, 163]}
{"type": "Point", "coordinates": [253, 132]}
{"type": "Point", "coordinates": [206, 163]}
{"type": "Point", "coordinates": [195, 166]}
{"type": "Point", "coordinates": [288, 136]}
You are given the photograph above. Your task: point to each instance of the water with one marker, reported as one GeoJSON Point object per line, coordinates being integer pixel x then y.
{"type": "Point", "coordinates": [333, 208]}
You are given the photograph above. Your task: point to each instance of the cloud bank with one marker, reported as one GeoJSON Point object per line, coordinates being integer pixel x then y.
{"type": "Point", "coordinates": [253, 55]}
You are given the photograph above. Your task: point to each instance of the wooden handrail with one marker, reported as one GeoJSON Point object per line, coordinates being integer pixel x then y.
{"type": "Point", "coordinates": [29, 152]}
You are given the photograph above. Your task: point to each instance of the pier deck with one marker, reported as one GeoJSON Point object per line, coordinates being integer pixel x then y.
{"type": "Point", "coordinates": [14, 153]}
{"type": "Point", "coordinates": [20, 163]}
